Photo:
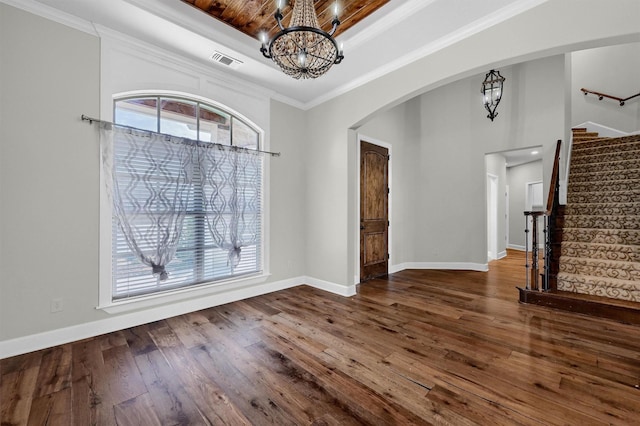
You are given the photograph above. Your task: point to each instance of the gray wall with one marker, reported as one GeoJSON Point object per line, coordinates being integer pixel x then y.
{"type": "Point", "coordinates": [49, 174]}
{"type": "Point", "coordinates": [49, 178]}
{"type": "Point", "coordinates": [288, 185]}
{"type": "Point", "coordinates": [400, 128]}
{"type": "Point", "coordinates": [332, 179]}
{"type": "Point", "coordinates": [49, 160]}
{"type": "Point", "coordinates": [439, 201]}
{"type": "Point", "coordinates": [614, 70]}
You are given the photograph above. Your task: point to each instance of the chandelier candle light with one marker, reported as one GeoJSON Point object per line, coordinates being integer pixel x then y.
{"type": "Point", "coordinates": [303, 50]}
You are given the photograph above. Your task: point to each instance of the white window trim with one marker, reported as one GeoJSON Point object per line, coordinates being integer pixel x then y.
{"type": "Point", "coordinates": [105, 296]}
{"type": "Point", "coordinates": [180, 294]}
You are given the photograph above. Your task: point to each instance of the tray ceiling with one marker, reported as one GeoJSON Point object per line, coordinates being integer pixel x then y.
{"type": "Point", "coordinates": [254, 16]}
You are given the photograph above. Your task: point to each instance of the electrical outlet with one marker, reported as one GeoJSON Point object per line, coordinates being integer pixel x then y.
{"type": "Point", "coordinates": [56, 305]}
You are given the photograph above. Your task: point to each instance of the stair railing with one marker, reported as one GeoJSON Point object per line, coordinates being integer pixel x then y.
{"type": "Point", "coordinates": [604, 95]}
{"type": "Point", "coordinates": [549, 216]}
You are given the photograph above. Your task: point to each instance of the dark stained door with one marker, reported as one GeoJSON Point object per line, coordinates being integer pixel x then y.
{"type": "Point", "coordinates": [374, 211]}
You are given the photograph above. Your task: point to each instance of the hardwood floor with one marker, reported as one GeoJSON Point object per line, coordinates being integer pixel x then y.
{"type": "Point", "coordinates": [421, 347]}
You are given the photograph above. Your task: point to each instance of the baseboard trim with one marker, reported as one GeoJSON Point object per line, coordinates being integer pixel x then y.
{"type": "Point", "coordinates": [454, 266]}
{"type": "Point", "coordinates": [396, 268]}
{"type": "Point", "coordinates": [502, 255]}
{"type": "Point", "coordinates": [338, 289]}
{"type": "Point", "coordinates": [47, 339]}
{"type": "Point", "coordinates": [521, 248]}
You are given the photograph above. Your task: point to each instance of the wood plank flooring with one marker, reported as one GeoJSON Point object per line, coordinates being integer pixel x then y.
{"type": "Point", "coordinates": [419, 347]}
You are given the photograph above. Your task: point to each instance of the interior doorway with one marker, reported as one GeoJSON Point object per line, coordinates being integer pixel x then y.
{"type": "Point", "coordinates": [514, 168]}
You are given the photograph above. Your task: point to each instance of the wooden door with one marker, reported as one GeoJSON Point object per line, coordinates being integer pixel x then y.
{"type": "Point", "coordinates": [374, 211]}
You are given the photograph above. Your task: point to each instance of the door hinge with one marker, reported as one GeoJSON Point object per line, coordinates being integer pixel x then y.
{"type": "Point", "coordinates": [388, 158]}
{"type": "Point", "coordinates": [388, 256]}
{"type": "Point", "coordinates": [388, 190]}
{"type": "Point", "coordinates": [388, 223]}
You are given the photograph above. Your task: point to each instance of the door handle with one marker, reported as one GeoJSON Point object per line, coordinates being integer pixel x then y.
{"type": "Point", "coordinates": [361, 227]}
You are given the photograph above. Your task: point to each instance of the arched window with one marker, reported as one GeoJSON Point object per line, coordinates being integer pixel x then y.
{"type": "Point", "coordinates": [220, 235]}
{"type": "Point", "coordinates": [185, 118]}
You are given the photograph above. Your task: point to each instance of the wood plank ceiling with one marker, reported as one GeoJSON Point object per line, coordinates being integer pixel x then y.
{"type": "Point", "coordinates": [254, 16]}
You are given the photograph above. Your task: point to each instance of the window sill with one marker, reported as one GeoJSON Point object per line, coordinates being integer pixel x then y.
{"type": "Point", "coordinates": [179, 295]}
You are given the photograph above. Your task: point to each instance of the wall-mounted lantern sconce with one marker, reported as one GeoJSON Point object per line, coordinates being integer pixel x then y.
{"type": "Point", "coordinates": [492, 92]}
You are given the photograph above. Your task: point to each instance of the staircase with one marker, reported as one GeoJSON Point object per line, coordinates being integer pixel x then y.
{"type": "Point", "coordinates": [600, 249]}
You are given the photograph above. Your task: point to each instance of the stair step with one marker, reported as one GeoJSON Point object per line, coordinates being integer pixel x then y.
{"type": "Point", "coordinates": [579, 139]}
{"type": "Point", "coordinates": [624, 311]}
{"type": "Point", "coordinates": [602, 222]}
{"type": "Point", "coordinates": [586, 134]}
{"type": "Point", "coordinates": [579, 129]}
{"type": "Point", "coordinates": [604, 196]}
{"type": "Point", "coordinates": [619, 252]}
{"type": "Point", "coordinates": [596, 286]}
{"type": "Point", "coordinates": [605, 185]}
{"type": "Point", "coordinates": [604, 148]}
{"type": "Point", "coordinates": [601, 236]}
{"type": "Point", "coordinates": [601, 268]}
{"type": "Point", "coordinates": [606, 157]}
{"type": "Point", "coordinates": [600, 249]}
{"type": "Point", "coordinates": [604, 141]}
{"type": "Point", "coordinates": [616, 209]}
{"type": "Point", "coordinates": [602, 175]}
{"type": "Point", "coordinates": [633, 163]}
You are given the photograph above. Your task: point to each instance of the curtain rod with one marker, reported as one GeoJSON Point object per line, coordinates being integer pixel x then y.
{"type": "Point", "coordinates": [97, 120]}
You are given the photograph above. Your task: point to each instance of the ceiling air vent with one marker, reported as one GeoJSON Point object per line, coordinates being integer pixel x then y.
{"type": "Point", "coordinates": [226, 60]}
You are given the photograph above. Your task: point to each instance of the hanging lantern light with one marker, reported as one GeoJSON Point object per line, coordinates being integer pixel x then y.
{"type": "Point", "coordinates": [492, 92]}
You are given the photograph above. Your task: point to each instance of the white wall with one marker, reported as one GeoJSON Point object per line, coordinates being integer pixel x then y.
{"type": "Point", "coordinates": [517, 178]}
{"type": "Point", "coordinates": [49, 176]}
{"type": "Point", "coordinates": [614, 70]}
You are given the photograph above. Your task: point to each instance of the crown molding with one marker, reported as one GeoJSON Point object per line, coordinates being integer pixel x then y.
{"type": "Point", "coordinates": [464, 32]}
{"type": "Point", "coordinates": [376, 28]}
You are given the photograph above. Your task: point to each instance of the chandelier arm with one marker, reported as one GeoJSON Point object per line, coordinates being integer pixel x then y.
{"type": "Point", "coordinates": [299, 29]}
{"type": "Point", "coordinates": [265, 51]}
{"type": "Point", "coordinates": [335, 24]}
{"type": "Point", "coordinates": [279, 18]}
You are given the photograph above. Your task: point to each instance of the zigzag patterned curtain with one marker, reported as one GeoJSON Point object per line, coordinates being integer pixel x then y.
{"type": "Point", "coordinates": [231, 181]}
{"type": "Point", "coordinates": [155, 180]}
{"type": "Point", "coordinates": [150, 185]}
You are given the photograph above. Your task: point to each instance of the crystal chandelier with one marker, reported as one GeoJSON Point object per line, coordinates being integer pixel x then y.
{"type": "Point", "coordinates": [303, 50]}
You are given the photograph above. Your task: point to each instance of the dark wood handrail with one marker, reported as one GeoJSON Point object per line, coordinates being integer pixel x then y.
{"type": "Point", "coordinates": [554, 179]}
{"type": "Point", "coordinates": [604, 95]}
{"type": "Point", "coordinates": [549, 216]}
